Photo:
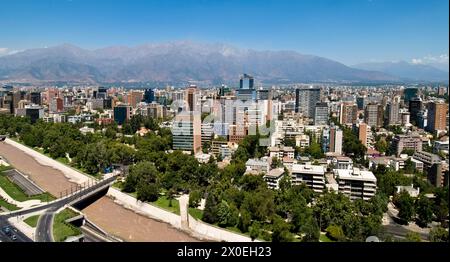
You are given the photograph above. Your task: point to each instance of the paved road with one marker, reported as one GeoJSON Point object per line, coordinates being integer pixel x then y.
{"type": "Point", "coordinates": [44, 228]}
{"type": "Point", "coordinates": [401, 232]}
{"type": "Point", "coordinates": [23, 182]}
{"type": "Point", "coordinates": [5, 238]}
{"type": "Point", "coordinates": [89, 236]}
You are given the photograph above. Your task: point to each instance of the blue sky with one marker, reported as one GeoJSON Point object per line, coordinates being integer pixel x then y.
{"type": "Point", "coordinates": [349, 31]}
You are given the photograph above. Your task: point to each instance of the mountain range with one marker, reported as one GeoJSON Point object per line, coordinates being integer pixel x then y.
{"type": "Point", "coordinates": [407, 71]}
{"type": "Point", "coordinates": [185, 61]}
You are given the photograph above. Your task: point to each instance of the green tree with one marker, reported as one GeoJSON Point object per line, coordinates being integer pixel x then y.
{"type": "Point", "coordinates": [147, 192]}
{"type": "Point", "coordinates": [408, 151]}
{"type": "Point", "coordinates": [438, 234]}
{"type": "Point", "coordinates": [171, 196]}
{"type": "Point", "coordinates": [195, 196]}
{"type": "Point", "coordinates": [335, 232]}
{"type": "Point", "coordinates": [255, 230]}
{"type": "Point", "coordinates": [424, 209]}
{"type": "Point", "coordinates": [281, 230]}
{"type": "Point", "coordinates": [405, 204]}
{"type": "Point", "coordinates": [381, 145]}
{"type": "Point", "coordinates": [276, 162]}
{"type": "Point", "coordinates": [413, 237]}
{"type": "Point", "coordinates": [211, 206]}
{"type": "Point", "coordinates": [245, 220]}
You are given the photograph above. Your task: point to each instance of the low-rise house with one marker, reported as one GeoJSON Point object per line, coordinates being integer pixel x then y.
{"type": "Point", "coordinates": [413, 192]}
{"type": "Point", "coordinates": [302, 141]}
{"type": "Point", "coordinates": [202, 158]}
{"type": "Point", "coordinates": [85, 130]}
{"type": "Point", "coordinates": [258, 165]}
{"type": "Point", "coordinates": [343, 162]}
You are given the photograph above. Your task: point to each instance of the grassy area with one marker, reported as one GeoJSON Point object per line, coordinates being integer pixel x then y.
{"type": "Point", "coordinates": [7, 205]}
{"type": "Point", "coordinates": [236, 230]}
{"type": "Point", "coordinates": [118, 184]}
{"type": "Point", "coordinates": [324, 238]}
{"type": "Point", "coordinates": [64, 161]}
{"type": "Point", "coordinates": [32, 221]}
{"type": "Point", "coordinates": [196, 213]}
{"type": "Point", "coordinates": [163, 202]}
{"type": "Point", "coordinates": [15, 192]}
{"type": "Point", "coordinates": [61, 229]}
{"type": "Point", "coordinates": [4, 168]}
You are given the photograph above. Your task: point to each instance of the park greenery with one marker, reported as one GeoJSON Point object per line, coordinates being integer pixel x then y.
{"type": "Point", "coordinates": [17, 193]}
{"type": "Point", "coordinates": [32, 221]}
{"type": "Point", "coordinates": [62, 229]}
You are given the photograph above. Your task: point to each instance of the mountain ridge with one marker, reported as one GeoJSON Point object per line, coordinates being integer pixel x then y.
{"type": "Point", "coordinates": [178, 62]}
{"type": "Point", "coordinates": [407, 71]}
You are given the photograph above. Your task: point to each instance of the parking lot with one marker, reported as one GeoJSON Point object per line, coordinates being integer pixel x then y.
{"type": "Point", "coordinates": [23, 182]}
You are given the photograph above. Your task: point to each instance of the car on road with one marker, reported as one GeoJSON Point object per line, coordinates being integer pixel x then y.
{"type": "Point", "coordinates": [13, 237]}
{"type": "Point", "coordinates": [7, 230]}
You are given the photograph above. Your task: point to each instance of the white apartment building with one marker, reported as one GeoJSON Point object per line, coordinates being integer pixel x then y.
{"type": "Point", "coordinates": [343, 162]}
{"type": "Point", "coordinates": [273, 178]}
{"type": "Point", "coordinates": [356, 183]}
{"type": "Point", "coordinates": [312, 176]}
{"type": "Point", "coordinates": [281, 152]}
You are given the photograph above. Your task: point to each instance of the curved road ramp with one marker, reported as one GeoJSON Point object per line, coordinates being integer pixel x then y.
{"type": "Point", "coordinates": [48, 210]}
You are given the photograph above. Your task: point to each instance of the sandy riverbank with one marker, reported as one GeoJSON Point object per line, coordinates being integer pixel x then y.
{"type": "Point", "coordinates": [110, 216]}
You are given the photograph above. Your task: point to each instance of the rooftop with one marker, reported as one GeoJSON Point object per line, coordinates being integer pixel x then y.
{"type": "Point", "coordinates": [275, 173]}
{"type": "Point", "coordinates": [355, 174]}
{"type": "Point", "coordinates": [296, 168]}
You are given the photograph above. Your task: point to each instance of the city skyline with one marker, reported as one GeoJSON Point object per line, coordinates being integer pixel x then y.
{"type": "Point", "coordinates": [350, 32]}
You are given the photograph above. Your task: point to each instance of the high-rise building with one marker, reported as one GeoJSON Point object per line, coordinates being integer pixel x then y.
{"type": "Point", "coordinates": [246, 82]}
{"type": "Point", "coordinates": [149, 96]}
{"type": "Point", "coordinates": [415, 106]}
{"type": "Point", "coordinates": [102, 93]}
{"type": "Point", "coordinates": [35, 98]}
{"type": "Point", "coordinates": [67, 99]}
{"type": "Point", "coordinates": [410, 142]}
{"type": "Point", "coordinates": [134, 97]}
{"type": "Point", "coordinates": [321, 114]}
{"type": "Point", "coordinates": [192, 99]}
{"type": "Point", "coordinates": [8, 102]}
{"type": "Point", "coordinates": [362, 133]}
{"type": "Point", "coordinates": [393, 113]}
{"type": "Point", "coordinates": [374, 115]}
{"type": "Point", "coordinates": [56, 105]}
{"type": "Point", "coordinates": [305, 100]}
{"type": "Point", "coordinates": [437, 116]}
{"type": "Point", "coordinates": [186, 131]}
{"type": "Point", "coordinates": [348, 113]}
{"type": "Point", "coordinates": [263, 94]}
{"type": "Point", "coordinates": [410, 93]}
{"type": "Point", "coordinates": [422, 119]}
{"type": "Point", "coordinates": [246, 89]}
{"type": "Point", "coordinates": [122, 113]}
{"type": "Point", "coordinates": [442, 90]}
{"type": "Point", "coordinates": [34, 112]}
{"type": "Point", "coordinates": [336, 138]}
{"type": "Point", "coordinates": [361, 102]}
